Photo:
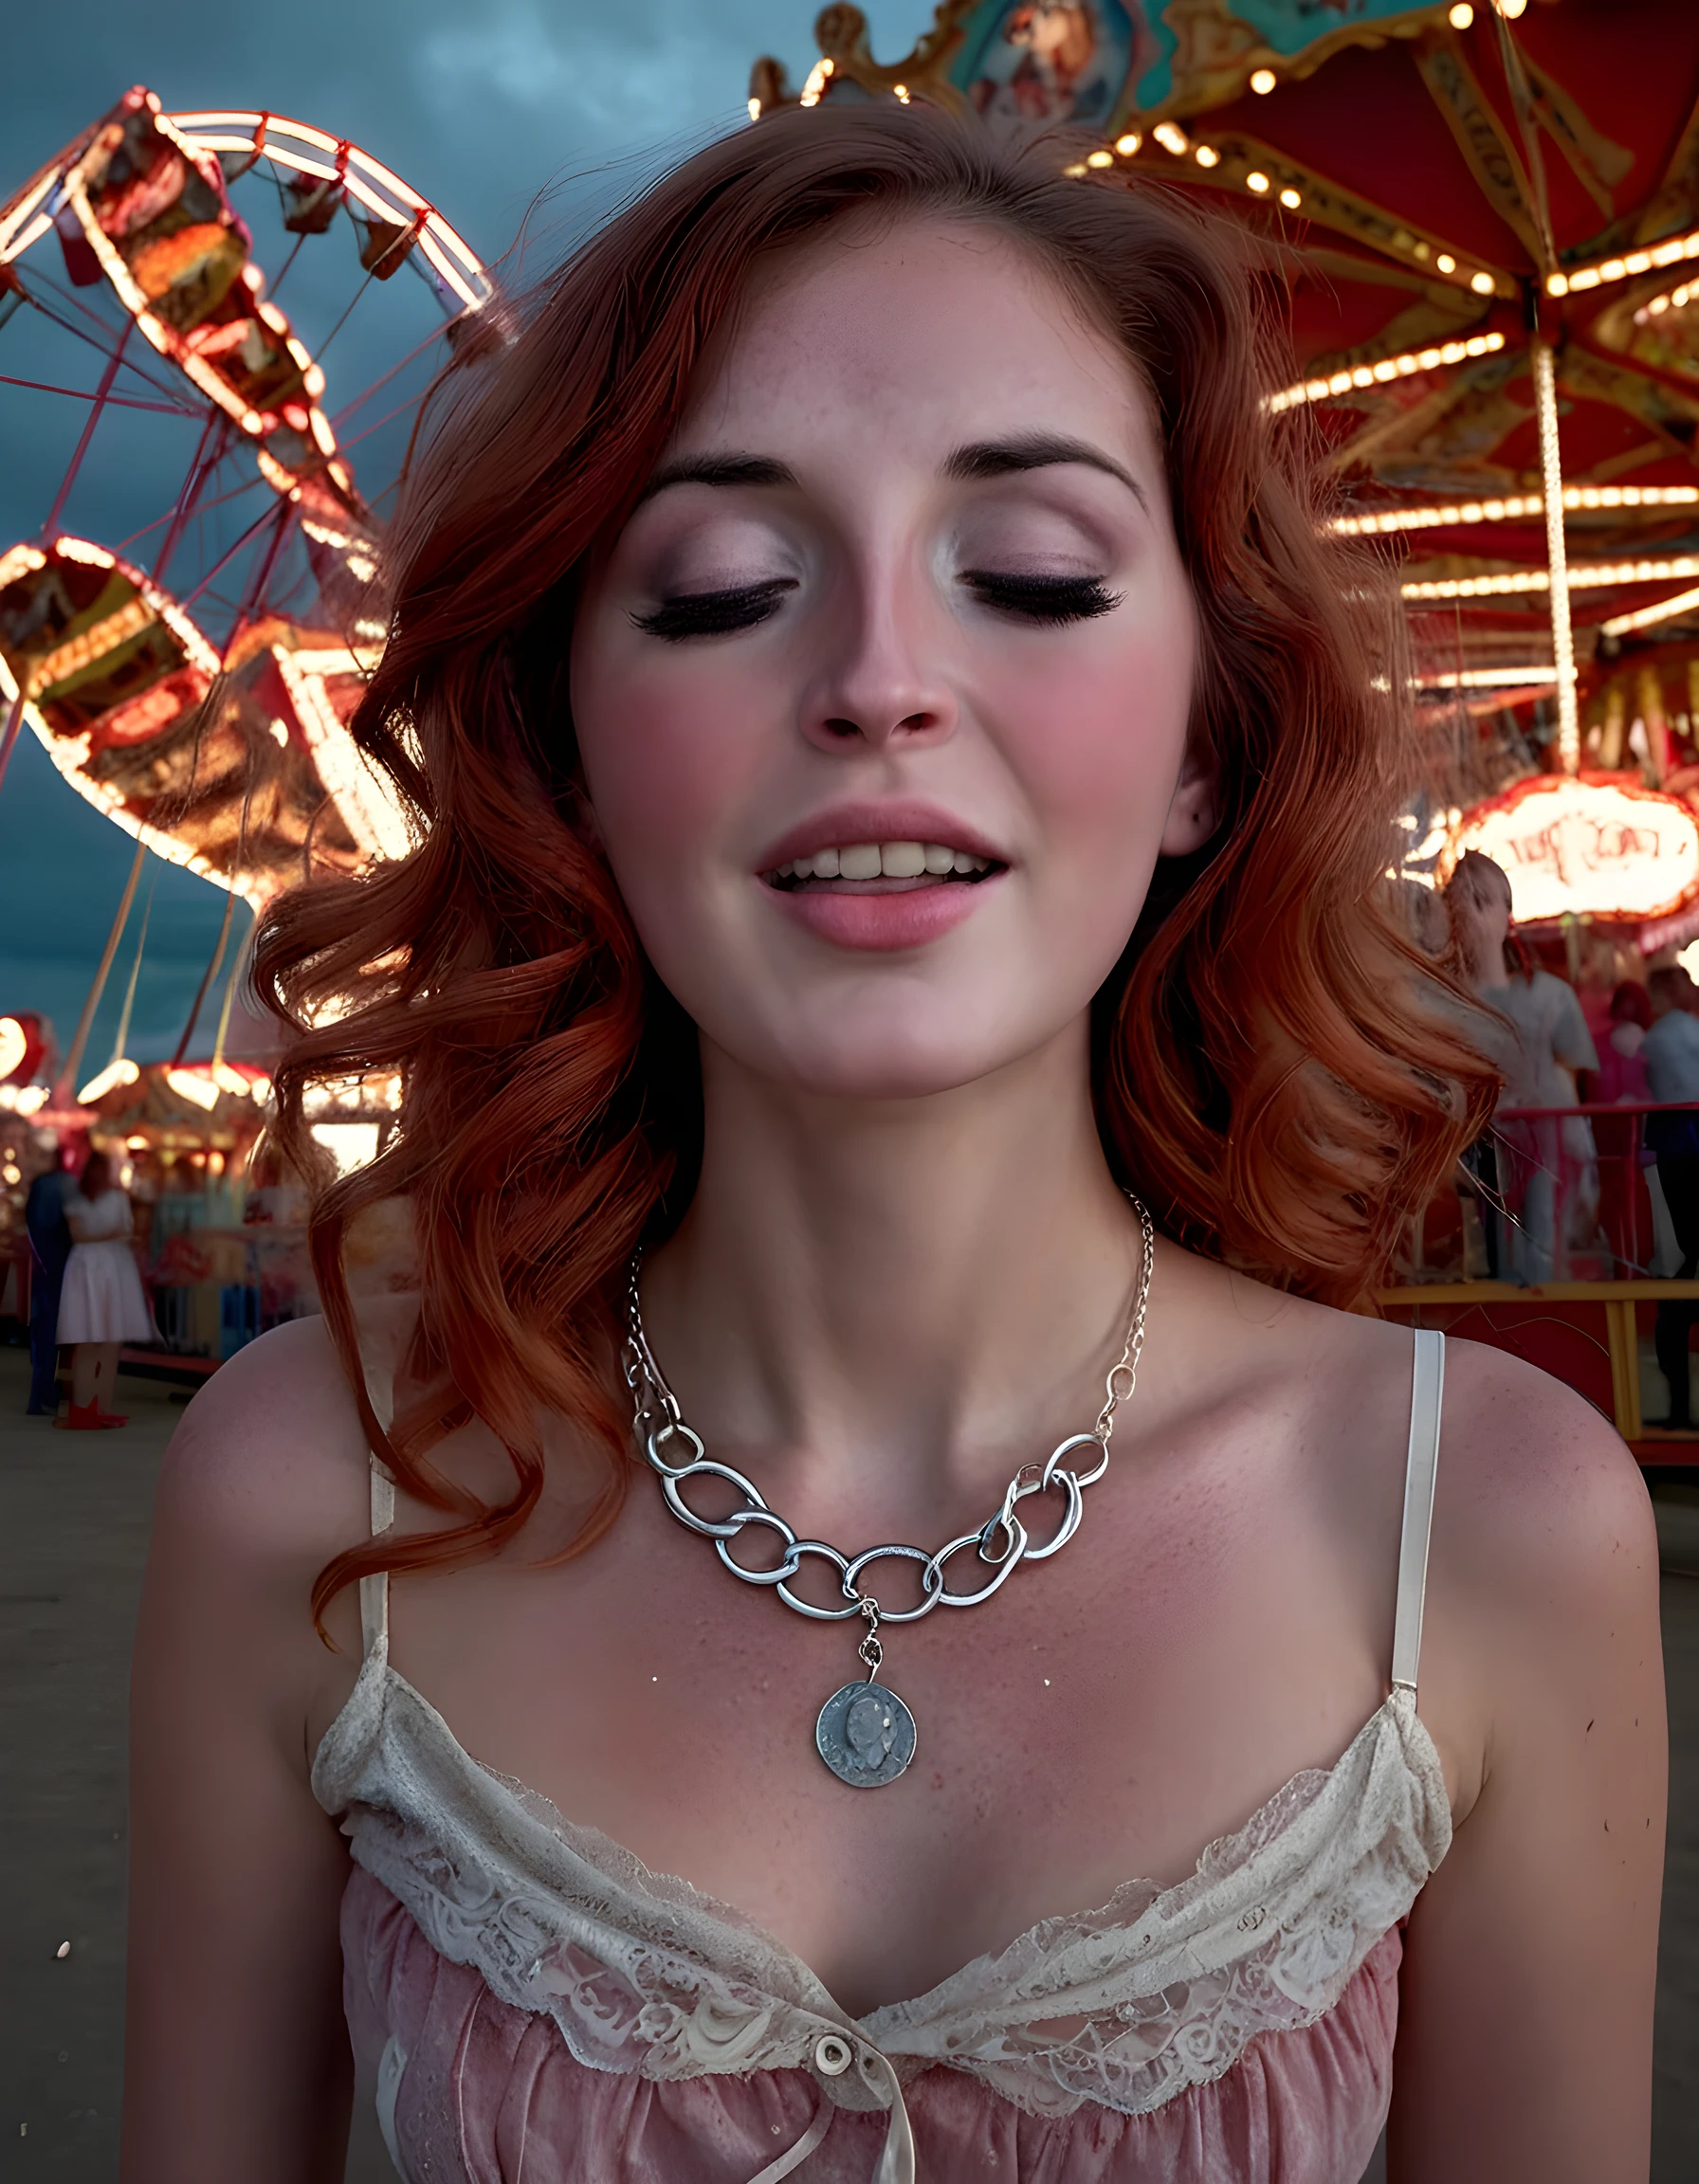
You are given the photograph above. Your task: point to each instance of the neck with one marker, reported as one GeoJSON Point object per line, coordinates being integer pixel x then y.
{"type": "Point", "coordinates": [1492, 966]}
{"type": "Point", "coordinates": [896, 1300]}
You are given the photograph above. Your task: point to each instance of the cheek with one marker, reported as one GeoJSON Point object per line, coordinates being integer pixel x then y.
{"type": "Point", "coordinates": [665, 754]}
{"type": "Point", "coordinates": [1099, 740]}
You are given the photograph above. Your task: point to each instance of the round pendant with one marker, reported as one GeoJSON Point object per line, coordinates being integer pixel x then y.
{"type": "Point", "coordinates": [864, 1735]}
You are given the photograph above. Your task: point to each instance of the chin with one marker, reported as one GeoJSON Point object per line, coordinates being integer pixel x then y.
{"type": "Point", "coordinates": [862, 1058]}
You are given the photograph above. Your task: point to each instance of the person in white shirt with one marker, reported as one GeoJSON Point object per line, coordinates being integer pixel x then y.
{"type": "Point", "coordinates": [1548, 1168]}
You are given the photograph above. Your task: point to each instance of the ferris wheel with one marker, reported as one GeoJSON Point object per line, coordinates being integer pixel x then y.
{"type": "Point", "coordinates": [193, 678]}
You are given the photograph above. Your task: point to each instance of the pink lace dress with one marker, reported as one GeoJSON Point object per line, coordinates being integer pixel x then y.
{"type": "Point", "coordinates": [534, 2007]}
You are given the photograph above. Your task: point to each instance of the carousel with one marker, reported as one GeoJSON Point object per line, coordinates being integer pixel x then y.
{"type": "Point", "coordinates": [1480, 222]}
{"type": "Point", "coordinates": [193, 678]}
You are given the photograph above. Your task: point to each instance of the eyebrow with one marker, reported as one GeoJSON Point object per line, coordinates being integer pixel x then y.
{"type": "Point", "coordinates": [1036, 451]}
{"type": "Point", "coordinates": [720, 470]}
{"type": "Point", "coordinates": [981, 459]}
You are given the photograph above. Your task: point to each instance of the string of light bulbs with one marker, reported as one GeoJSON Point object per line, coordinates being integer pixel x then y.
{"type": "Point", "coordinates": [1387, 368]}
{"type": "Point", "coordinates": [1509, 508]}
{"type": "Point", "coordinates": [1583, 576]}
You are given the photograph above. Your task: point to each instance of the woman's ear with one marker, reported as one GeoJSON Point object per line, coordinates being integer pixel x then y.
{"type": "Point", "coordinates": [1194, 809]}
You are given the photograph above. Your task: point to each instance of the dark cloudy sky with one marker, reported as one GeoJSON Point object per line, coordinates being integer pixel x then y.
{"type": "Point", "coordinates": [482, 105]}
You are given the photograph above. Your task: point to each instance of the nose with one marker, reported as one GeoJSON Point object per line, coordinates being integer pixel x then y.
{"type": "Point", "coordinates": [880, 683]}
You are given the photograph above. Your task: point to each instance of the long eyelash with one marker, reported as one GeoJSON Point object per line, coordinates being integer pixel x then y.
{"type": "Point", "coordinates": [715, 613]}
{"type": "Point", "coordinates": [1043, 598]}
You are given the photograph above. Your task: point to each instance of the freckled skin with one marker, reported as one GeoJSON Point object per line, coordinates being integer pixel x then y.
{"type": "Point", "coordinates": [904, 1274]}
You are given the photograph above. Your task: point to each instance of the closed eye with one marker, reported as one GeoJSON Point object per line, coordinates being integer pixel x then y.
{"type": "Point", "coordinates": [715, 613]}
{"type": "Point", "coordinates": [1041, 598]}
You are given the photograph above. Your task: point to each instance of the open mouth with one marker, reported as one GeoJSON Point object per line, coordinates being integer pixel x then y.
{"type": "Point", "coordinates": [881, 867]}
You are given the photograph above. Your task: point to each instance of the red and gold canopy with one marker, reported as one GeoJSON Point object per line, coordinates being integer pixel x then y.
{"type": "Point", "coordinates": [1458, 199]}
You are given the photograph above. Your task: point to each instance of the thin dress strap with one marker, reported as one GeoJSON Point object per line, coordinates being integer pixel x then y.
{"type": "Point", "coordinates": [375, 1589]}
{"type": "Point", "coordinates": [1427, 1387]}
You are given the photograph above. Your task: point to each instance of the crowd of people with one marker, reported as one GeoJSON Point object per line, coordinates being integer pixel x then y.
{"type": "Point", "coordinates": [1548, 1175]}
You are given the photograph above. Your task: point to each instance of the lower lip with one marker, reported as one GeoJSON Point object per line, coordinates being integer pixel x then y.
{"type": "Point", "coordinates": [906, 917]}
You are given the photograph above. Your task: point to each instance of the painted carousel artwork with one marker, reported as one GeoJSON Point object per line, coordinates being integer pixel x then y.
{"type": "Point", "coordinates": [1036, 61]}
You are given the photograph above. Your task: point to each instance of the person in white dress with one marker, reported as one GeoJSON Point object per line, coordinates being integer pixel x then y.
{"type": "Point", "coordinates": [102, 1305]}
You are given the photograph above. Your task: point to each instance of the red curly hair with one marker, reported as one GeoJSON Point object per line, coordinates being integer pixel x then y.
{"type": "Point", "coordinates": [1273, 1069]}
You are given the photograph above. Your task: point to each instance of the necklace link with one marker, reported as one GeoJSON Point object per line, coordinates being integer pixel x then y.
{"type": "Point", "coordinates": [865, 1734]}
{"type": "Point", "coordinates": [658, 1425]}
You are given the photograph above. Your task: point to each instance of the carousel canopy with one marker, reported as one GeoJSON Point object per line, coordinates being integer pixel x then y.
{"type": "Point", "coordinates": [1457, 199]}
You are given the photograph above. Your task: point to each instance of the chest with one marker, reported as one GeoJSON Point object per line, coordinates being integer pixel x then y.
{"type": "Point", "coordinates": [101, 1220]}
{"type": "Point", "coordinates": [1101, 1717]}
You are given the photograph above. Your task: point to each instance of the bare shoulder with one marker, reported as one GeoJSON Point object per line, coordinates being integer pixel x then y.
{"type": "Point", "coordinates": [265, 1480]}
{"type": "Point", "coordinates": [1542, 1631]}
{"type": "Point", "coordinates": [271, 1448]}
{"type": "Point", "coordinates": [1339, 1379]}
{"type": "Point", "coordinates": [1542, 1498]}
{"type": "Point", "coordinates": [1531, 1476]}
{"type": "Point", "coordinates": [1542, 1518]}
{"type": "Point", "coordinates": [1542, 1684]}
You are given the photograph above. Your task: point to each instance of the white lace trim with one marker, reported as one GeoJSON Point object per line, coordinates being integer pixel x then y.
{"type": "Point", "coordinates": [1127, 2006]}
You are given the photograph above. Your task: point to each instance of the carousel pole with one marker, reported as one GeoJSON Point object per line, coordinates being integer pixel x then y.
{"type": "Point", "coordinates": [1562, 635]}
{"type": "Point", "coordinates": [66, 1090]}
{"type": "Point", "coordinates": [121, 1038]}
{"type": "Point", "coordinates": [238, 963]}
{"type": "Point", "coordinates": [206, 977]}
{"type": "Point", "coordinates": [1543, 359]}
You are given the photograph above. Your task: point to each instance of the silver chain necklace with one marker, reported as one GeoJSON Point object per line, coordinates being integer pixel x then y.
{"type": "Point", "coordinates": [865, 1734]}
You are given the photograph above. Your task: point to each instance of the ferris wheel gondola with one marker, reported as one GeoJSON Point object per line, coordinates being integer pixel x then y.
{"type": "Point", "coordinates": [195, 680]}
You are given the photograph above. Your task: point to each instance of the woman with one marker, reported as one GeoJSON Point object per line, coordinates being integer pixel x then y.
{"type": "Point", "coordinates": [1624, 1202]}
{"type": "Point", "coordinates": [101, 1304]}
{"type": "Point", "coordinates": [1547, 1166]}
{"type": "Point", "coordinates": [898, 766]}
{"type": "Point", "coordinates": [1621, 1076]}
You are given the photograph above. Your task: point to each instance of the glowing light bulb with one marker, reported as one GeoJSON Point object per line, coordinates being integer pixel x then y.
{"type": "Point", "coordinates": [1290, 199]}
{"type": "Point", "coordinates": [1462, 16]}
{"type": "Point", "coordinates": [1446, 262]}
{"type": "Point", "coordinates": [1172, 137]}
{"type": "Point", "coordinates": [1128, 144]}
{"type": "Point", "coordinates": [1510, 10]}
{"type": "Point", "coordinates": [1262, 81]}
{"type": "Point", "coordinates": [1206, 156]}
{"type": "Point", "coordinates": [1100, 159]}
{"type": "Point", "coordinates": [1481, 283]}
{"type": "Point", "coordinates": [1257, 182]}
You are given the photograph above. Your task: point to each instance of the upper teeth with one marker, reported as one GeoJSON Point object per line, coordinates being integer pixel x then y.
{"type": "Point", "coordinates": [881, 861]}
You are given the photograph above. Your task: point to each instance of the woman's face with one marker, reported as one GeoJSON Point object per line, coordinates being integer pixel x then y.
{"type": "Point", "coordinates": [882, 692]}
{"type": "Point", "coordinates": [1480, 902]}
